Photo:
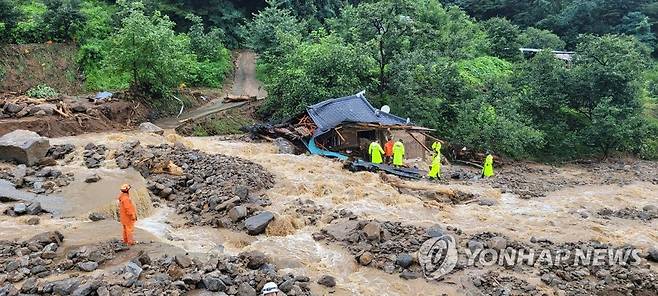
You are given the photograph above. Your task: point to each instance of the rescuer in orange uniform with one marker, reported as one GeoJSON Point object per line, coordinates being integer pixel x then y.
{"type": "Point", "coordinates": [127, 214]}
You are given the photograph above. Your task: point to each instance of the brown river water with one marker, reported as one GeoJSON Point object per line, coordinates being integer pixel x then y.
{"type": "Point", "coordinates": [555, 216]}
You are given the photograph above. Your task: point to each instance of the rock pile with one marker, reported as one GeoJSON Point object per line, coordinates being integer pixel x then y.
{"type": "Point", "coordinates": [245, 274]}
{"type": "Point", "coordinates": [599, 279]}
{"type": "Point", "coordinates": [30, 258]}
{"type": "Point", "coordinates": [20, 209]}
{"type": "Point", "coordinates": [494, 284]}
{"type": "Point", "coordinates": [94, 155]}
{"type": "Point", "coordinates": [389, 246]}
{"type": "Point", "coordinates": [646, 214]}
{"type": "Point", "coordinates": [528, 181]}
{"type": "Point", "coordinates": [40, 180]}
{"type": "Point", "coordinates": [307, 210]}
{"type": "Point", "coordinates": [24, 147]}
{"type": "Point", "coordinates": [60, 151]}
{"type": "Point", "coordinates": [216, 190]}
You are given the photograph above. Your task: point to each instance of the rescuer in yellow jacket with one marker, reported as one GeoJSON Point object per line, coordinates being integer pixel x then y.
{"type": "Point", "coordinates": [375, 150]}
{"type": "Point", "coordinates": [435, 169]}
{"type": "Point", "coordinates": [398, 153]}
{"type": "Point", "coordinates": [487, 168]}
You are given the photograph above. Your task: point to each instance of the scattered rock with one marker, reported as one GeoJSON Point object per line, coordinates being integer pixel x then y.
{"type": "Point", "coordinates": [33, 221]}
{"type": "Point", "coordinates": [404, 260]}
{"type": "Point", "coordinates": [284, 146]}
{"type": "Point", "coordinates": [327, 281]}
{"type": "Point", "coordinates": [372, 231]}
{"type": "Point", "coordinates": [258, 223]}
{"type": "Point", "coordinates": [183, 261]}
{"type": "Point", "coordinates": [88, 266]}
{"type": "Point", "coordinates": [435, 231]}
{"type": "Point", "coordinates": [20, 209]}
{"type": "Point", "coordinates": [487, 202]}
{"type": "Point", "coordinates": [410, 275]}
{"type": "Point", "coordinates": [34, 208]}
{"type": "Point", "coordinates": [365, 258]}
{"type": "Point", "coordinates": [24, 147]}
{"type": "Point", "coordinates": [147, 127]}
{"type": "Point", "coordinates": [497, 243]}
{"type": "Point", "coordinates": [95, 216]}
{"type": "Point", "coordinates": [255, 259]}
{"type": "Point", "coordinates": [93, 178]}
{"type": "Point", "coordinates": [246, 290]}
{"type": "Point", "coordinates": [653, 255]}
{"type": "Point", "coordinates": [236, 213]}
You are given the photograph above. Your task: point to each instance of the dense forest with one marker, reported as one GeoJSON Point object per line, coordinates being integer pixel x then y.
{"type": "Point", "coordinates": [451, 65]}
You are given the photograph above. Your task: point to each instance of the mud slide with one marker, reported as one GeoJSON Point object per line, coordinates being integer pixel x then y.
{"type": "Point", "coordinates": [243, 83]}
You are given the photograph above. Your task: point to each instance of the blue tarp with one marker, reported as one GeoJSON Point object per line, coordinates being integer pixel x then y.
{"type": "Point", "coordinates": [356, 108]}
{"type": "Point", "coordinates": [103, 95]}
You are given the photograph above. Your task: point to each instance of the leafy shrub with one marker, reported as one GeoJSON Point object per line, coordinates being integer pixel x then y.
{"type": "Point", "coordinates": [41, 91]}
{"type": "Point", "coordinates": [30, 28]}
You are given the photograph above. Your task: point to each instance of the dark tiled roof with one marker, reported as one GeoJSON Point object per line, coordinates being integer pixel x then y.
{"type": "Point", "coordinates": [356, 109]}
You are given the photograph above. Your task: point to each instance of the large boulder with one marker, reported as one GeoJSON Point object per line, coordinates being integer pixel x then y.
{"type": "Point", "coordinates": [24, 147]}
{"type": "Point", "coordinates": [148, 127]}
{"type": "Point", "coordinates": [284, 146]}
{"type": "Point", "coordinates": [257, 224]}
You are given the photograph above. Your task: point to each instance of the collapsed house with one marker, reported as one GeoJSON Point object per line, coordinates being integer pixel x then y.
{"type": "Point", "coordinates": [343, 128]}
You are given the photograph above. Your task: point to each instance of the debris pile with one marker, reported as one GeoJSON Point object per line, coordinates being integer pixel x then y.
{"type": "Point", "coordinates": [39, 180]}
{"type": "Point", "coordinates": [530, 181]}
{"type": "Point", "coordinates": [216, 190]}
{"type": "Point", "coordinates": [60, 151]}
{"type": "Point", "coordinates": [306, 209]}
{"type": "Point", "coordinates": [631, 213]}
{"type": "Point", "coordinates": [606, 278]}
{"type": "Point", "coordinates": [20, 209]}
{"type": "Point", "coordinates": [389, 246]}
{"type": "Point", "coordinates": [94, 155]}
{"type": "Point", "coordinates": [31, 261]}
{"type": "Point", "coordinates": [19, 106]}
{"type": "Point", "coordinates": [493, 284]}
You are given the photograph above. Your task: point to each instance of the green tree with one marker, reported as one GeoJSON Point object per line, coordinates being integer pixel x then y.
{"type": "Point", "coordinates": [384, 27]}
{"type": "Point", "coordinates": [503, 38]}
{"type": "Point", "coordinates": [492, 122]}
{"type": "Point", "coordinates": [214, 59]}
{"type": "Point", "coordinates": [637, 24]}
{"type": "Point", "coordinates": [62, 19]}
{"type": "Point", "coordinates": [148, 49]}
{"type": "Point", "coordinates": [313, 72]}
{"type": "Point", "coordinates": [9, 16]}
{"type": "Point", "coordinates": [266, 31]}
{"type": "Point", "coordinates": [541, 39]}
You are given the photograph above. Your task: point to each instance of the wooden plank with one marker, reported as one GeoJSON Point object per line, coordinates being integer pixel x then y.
{"type": "Point", "coordinates": [419, 142]}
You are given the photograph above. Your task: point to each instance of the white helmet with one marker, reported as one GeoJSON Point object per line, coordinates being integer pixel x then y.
{"type": "Point", "coordinates": [270, 288]}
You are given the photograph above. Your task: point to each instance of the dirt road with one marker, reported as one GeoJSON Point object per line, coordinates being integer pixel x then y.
{"type": "Point", "coordinates": [243, 83]}
{"type": "Point", "coordinates": [244, 77]}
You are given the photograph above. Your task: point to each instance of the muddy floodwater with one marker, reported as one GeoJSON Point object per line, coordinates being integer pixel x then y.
{"type": "Point", "coordinates": [565, 215]}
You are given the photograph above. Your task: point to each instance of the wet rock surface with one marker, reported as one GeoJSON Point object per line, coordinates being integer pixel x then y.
{"type": "Point", "coordinates": [629, 213]}
{"type": "Point", "coordinates": [27, 265]}
{"type": "Point", "coordinates": [203, 188]}
{"type": "Point", "coordinates": [23, 147]}
{"type": "Point", "coordinates": [533, 181]}
{"type": "Point", "coordinates": [383, 245]}
{"type": "Point", "coordinates": [94, 155]}
{"type": "Point", "coordinates": [60, 151]}
{"type": "Point", "coordinates": [37, 179]}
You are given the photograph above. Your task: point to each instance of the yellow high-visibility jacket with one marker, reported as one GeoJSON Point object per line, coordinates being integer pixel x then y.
{"type": "Point", "coordinates": [375, 150]}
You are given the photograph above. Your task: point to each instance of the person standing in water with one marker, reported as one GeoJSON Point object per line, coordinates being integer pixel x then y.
{"type": "Point", "coordinates": [127, 214]}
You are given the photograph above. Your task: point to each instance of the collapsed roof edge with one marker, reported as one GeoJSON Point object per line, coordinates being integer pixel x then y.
{"type": "Point", "coordinates": [355, 108]}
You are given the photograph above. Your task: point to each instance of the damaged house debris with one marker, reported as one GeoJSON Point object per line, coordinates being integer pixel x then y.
{"type": "Point", "coordinates": [343, 128]}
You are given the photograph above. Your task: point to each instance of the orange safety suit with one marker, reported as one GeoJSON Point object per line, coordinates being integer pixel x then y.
{"type": "Point", "coordinates": [388, 148]}
{"type": "Point", "coordinates": [127, 216]}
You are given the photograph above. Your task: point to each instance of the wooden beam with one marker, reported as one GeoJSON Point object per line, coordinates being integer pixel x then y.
{"type": "Point", "coordinates": [419, 142]}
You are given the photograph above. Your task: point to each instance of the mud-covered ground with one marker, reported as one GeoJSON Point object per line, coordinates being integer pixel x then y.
{"type": "Point", "coordinates": [331, 231]}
